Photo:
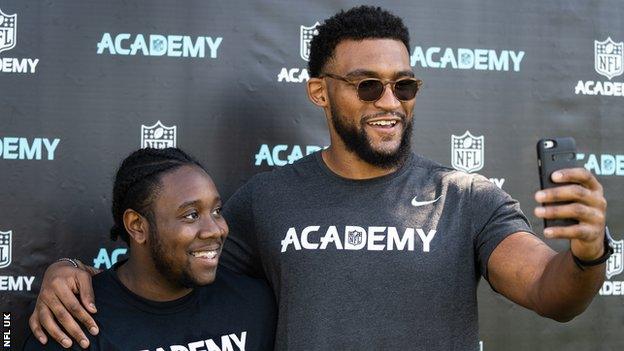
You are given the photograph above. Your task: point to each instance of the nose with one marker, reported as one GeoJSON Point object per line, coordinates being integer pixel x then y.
{"type": "Point", "coordinates": [388, 101]}
{"type": "Point", "coordinates": [213, 228]}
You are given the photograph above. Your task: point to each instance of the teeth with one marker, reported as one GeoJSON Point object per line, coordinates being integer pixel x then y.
{"type": "Point", "coordinates": [205, 254]}
{"type": "Point", "coordinates": [383, 123]}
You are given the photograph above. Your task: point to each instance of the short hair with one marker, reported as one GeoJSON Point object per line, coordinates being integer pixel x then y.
{"type": "Point", "coordinates": [358, 23]}
{"type": "Point", "coordinates": [137, 183]}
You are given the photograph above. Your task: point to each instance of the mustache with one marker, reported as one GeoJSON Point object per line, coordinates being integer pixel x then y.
{"type": "Point", "coordinates": [366, 118]}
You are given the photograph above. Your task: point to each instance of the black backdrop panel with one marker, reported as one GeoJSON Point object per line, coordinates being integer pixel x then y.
{"type": "Point", "coordinates": [83, 83]}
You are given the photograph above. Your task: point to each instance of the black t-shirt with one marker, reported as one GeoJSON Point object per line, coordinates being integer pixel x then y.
{"type": "Point", "coordinates": [233, 313]}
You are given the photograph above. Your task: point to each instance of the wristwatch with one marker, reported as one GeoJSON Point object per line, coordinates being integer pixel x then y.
{"type": "Point", "coordinates": [608, 251]}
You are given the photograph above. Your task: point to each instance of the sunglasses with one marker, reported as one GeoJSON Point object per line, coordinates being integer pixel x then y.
{"type": "Point", "coordinates": [371, 89]}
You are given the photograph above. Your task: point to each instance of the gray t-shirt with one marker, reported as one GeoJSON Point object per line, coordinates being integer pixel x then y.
{"type": "Point", "coordinates": [386, 263]}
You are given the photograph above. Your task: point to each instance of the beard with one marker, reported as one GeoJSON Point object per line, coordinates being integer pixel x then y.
{"type": "Point", "coordinates": [165, 265]}
{"type": "Point", "coordinates": [357, 141]}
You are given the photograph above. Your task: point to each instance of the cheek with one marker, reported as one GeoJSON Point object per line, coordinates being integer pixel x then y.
{"type": "Point", "coordinates": [178, 238]}
{"type": "Point", "coordinates": [223, 224]}
{"type": "Point", "coordinates": [347, 103]}
{"type": "Point", "coordinates": [350, 113]}
{"type": "Point", "coordinates": [409, 107]}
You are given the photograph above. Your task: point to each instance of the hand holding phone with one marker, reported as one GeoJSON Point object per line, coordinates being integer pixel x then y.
{"type": "Point", "coordinates": [574, 206]}
{"type": "Point", "coordinates": [554, 154]}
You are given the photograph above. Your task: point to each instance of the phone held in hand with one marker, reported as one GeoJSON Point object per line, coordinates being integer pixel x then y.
{"type": "Point", "coordinates": [554, 154]}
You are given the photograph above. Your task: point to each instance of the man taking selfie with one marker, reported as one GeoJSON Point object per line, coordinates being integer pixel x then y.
{"type": "Point", "coordinates": [368, 245]}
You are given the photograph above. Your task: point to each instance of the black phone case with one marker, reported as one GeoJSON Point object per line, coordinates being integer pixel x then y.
{"type": "Point", "coordinates": [561, 155]}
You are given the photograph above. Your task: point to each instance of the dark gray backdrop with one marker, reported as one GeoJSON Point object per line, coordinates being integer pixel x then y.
{"type": "Point", "coordinates": [240, 114]}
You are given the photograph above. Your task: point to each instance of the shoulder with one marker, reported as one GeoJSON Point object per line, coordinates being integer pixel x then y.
{"type": "Point", "coordinates": [104, 283]}
{"type": "Point", "coordinates": [304, 167]}
{"type": "Point", "coordinates": [292, 175]}
{"type": "Point", "coordinates": [112, 298]}
{"type": "Point", "coordinates": [244, 290]}
{"type": "Point", "coordinates": [444, 175]}
{"type": "Point", "coordinates": [469, 186]}
{"type": "Point", "coordinates": [241, 284]}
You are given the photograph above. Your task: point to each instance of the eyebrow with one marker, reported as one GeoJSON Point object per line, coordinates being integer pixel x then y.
{"type": "Point", "coordinates": [189, 204]}
{"type": "Point", "coordinates": [406, 73]}
{"type": "Point", "coordinates": [367, 73]}
{"type": "Point", "coordinates": [197, 203]}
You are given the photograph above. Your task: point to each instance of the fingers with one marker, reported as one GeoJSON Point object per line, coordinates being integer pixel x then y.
{"type": "Point", "coordinates": [586, 204]}
{"type": "Point", "coordinates": [60, 299]}
{"type": "Point", "coordinates": [586, 238]}
{"type": "Point", "coordinates": [60, 284]}
{"type": "Point", "coordinates": [578, 175]}
{"type": "Point", "coordinates": [578, 211]}
{"type": "Point", "coordinates": [49, 324]}
{"type": "Point", "coordinates": [67, 321]}
{"type": "Point", "coordinates": [87, 297]}
{"type": "Point", "coordinates": [581, 232]}
{"type": "Point", "coordinates": [572, 193]}
{"type": "Point", "coordinates": [35, 327]}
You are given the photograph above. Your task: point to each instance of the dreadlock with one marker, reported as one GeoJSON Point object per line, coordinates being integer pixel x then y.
{"type": "Point", "coordinates": [137, 183]}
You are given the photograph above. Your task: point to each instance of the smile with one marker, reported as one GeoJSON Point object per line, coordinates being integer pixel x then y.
{"type": "Point", "coordinates": [383, 123]}
{"type": "Point", "coordinates": [208, 254]}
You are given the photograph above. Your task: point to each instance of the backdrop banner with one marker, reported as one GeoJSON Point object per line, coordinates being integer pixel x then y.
{"type": "Point", "coordinates": [84, 83]}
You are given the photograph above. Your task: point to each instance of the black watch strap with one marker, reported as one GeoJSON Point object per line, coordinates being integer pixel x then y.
{"type": "Point", "coordinates": [608, 251]}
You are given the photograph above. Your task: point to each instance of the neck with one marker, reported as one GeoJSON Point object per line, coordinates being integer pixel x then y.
{"type": "Point", "coordinates": [142, 278]}
{"type": "Point", "coordinates": [348, 165]}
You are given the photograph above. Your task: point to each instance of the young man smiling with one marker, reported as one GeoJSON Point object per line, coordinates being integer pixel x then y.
{"type": "Point", "coordinates": [167, 296]}
{"type": "Point", "coordinates": [369, 246]}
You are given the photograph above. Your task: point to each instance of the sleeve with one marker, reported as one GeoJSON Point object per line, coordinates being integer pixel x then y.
{"type": "Point", "coordinates": [240, 251]}
{"type": "Point", "coordinates": [494, 216]}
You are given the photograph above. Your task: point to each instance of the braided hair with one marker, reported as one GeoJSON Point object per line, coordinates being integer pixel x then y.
{"type": "Point", "coordinates": [137, 183]}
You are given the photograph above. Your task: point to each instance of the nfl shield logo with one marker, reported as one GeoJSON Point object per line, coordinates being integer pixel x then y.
{"type": "Point", "coordinates": [158, 136]}
{"type": "Point", "coordinates": [355, 237]}
{"type": "Point", "coordinates": [614, 264]}
{"type": "Point", "coordinates": [5, 248]}
{"type": "Point", "coordinates": [608, 58]}
{"type": "Point", "coordinates": [8, 31]}
{"type": "Point", "coordinates": [305, 38]}
{"type": "Point", "coordinates": [467, 152]}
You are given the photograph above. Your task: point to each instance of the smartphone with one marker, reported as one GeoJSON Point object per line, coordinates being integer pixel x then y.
{"type": "Point", "coordinates": [554, 154]}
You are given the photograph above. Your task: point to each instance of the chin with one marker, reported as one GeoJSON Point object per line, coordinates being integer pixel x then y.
{"type": "Point", "coordinates": [205, 278]}
{"type": "Point", "coordinates": [386, 150]}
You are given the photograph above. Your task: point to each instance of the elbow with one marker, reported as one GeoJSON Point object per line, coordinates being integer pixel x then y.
{"type": "Point", "coordinates": [561, 316]}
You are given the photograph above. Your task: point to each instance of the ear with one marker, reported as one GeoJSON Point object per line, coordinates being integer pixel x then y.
{"type": "Point", "coordinates": [136, 225]}
{"type": "Point", "coordinates": [317, 92]}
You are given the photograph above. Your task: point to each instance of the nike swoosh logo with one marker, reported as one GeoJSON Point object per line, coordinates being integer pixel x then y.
{"type": "Point", "coordinates": [422, 203]}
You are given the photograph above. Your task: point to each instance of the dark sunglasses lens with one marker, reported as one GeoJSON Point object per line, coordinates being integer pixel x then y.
{"type": "Point", "coordinates": [406, 89]}
{"type": "Point", "coordinates": [370, 90]}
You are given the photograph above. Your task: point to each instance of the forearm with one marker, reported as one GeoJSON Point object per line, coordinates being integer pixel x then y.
{"type": "Point", "coordinates": [564, 290]}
